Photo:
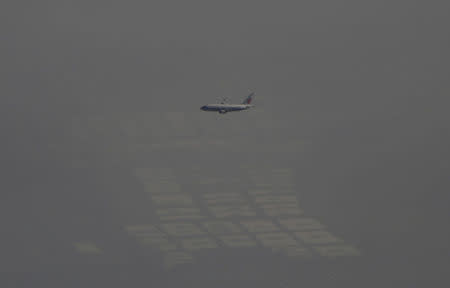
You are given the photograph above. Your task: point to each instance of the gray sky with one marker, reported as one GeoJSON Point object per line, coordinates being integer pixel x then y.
{"type": "Point", "coordinates": [351, 102]}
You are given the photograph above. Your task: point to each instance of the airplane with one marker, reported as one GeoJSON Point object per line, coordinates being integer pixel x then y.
{"type": "Point", "coordinates": [223, 108]}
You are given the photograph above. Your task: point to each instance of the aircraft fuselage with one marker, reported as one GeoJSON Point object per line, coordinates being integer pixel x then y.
{"type": "Point", "coordinates": [224, 108]}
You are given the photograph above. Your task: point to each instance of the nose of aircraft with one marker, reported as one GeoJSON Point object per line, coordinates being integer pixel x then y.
{"type": "Point", "coordinates": [202, 108]}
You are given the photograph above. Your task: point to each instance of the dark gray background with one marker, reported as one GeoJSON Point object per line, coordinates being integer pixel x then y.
{"type": "Point", "coordinates": [364, 84]}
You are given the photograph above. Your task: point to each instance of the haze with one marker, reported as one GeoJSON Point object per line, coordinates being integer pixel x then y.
{"type": "Point", "coordinates": [100, 111]}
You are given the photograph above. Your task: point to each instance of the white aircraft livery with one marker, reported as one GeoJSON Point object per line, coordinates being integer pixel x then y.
{"type": "Point", "coordinates": [223, 108]}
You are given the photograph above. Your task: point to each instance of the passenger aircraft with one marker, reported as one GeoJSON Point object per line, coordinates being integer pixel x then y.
{"type": "Point", "coordinates": [223, 108]}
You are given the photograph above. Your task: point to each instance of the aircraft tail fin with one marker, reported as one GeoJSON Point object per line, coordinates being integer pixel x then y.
{"type": "Point", "coordinates": [249, 99]}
